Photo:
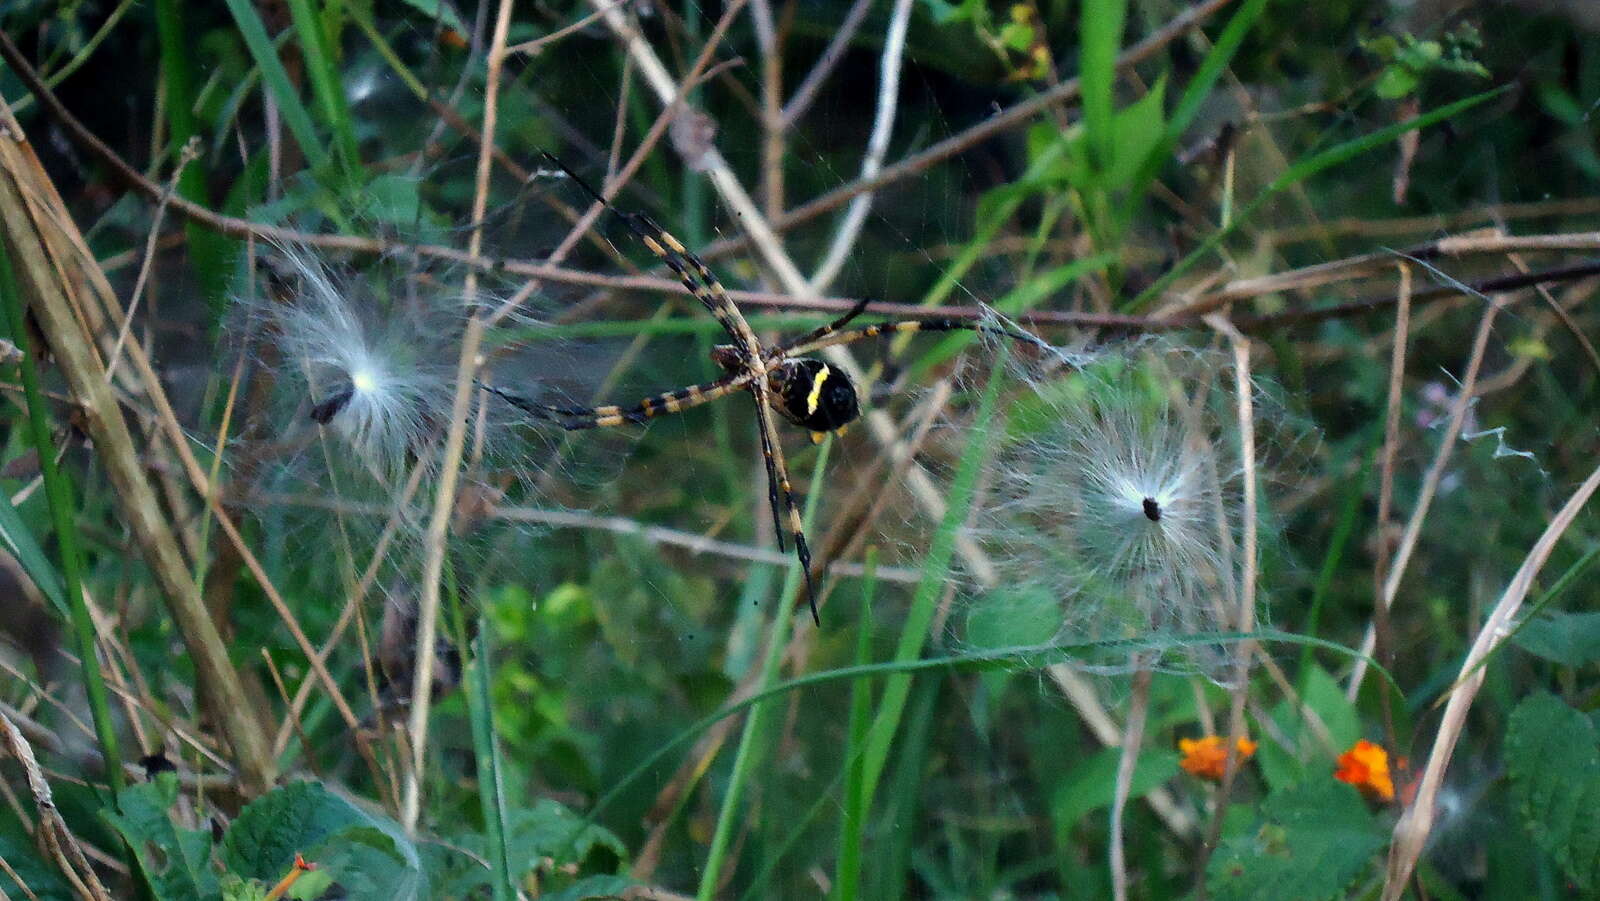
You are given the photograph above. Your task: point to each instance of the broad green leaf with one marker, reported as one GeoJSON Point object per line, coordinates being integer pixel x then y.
{"type": "Point", "coordinates": [552, 830]}
{"type": "Point", "coordinates": [1310, 843]}
{"type": "Point", "coordinates": [1308, 756]}
{"type": "Point", "coordinates": [41, 878]}
{"type": "Point", "coordinates": [1396, 82]}
{"type": "Point", "coordinates": [1572, 639]}
{"type": "Point", "coordinates": [547, 831]}
{"type": "Point", "coordinates": [392, 200]}
{"type": "Point", "coordinates": [366, 854]}
{"type": "Point", "coordinates": [1090, 783]}
{"type": "Point", "coordinates": [175, 862]}
{"type": "Point", "coordinates": [237, 888]}
{"type": "Point", "coordinates": [1013, 618]}
{"type": "Point", "coordinates": [1553, 755]}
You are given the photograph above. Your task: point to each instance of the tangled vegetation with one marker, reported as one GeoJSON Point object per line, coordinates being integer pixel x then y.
{"type": "Point", "coordinates": [1223, 533]}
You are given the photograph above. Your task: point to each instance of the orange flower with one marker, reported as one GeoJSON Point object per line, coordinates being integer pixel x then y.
{"type": "Point", "coordinates": [1366, 766]}
{"type": "Point", "coordinates": [1208, 757]}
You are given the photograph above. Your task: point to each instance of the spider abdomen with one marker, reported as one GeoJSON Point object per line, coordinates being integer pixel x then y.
{"type": "Point", "coordinates": [813, 395]}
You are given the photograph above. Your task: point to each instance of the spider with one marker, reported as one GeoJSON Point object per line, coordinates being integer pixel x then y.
{"type": "Point", "coordinates": [805, 391]}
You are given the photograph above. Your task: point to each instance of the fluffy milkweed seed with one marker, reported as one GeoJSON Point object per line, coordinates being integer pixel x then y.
{"type": "Point", "coordinates": [372, 371]}
{"type": "Point", "coordinates": [1114, 512]}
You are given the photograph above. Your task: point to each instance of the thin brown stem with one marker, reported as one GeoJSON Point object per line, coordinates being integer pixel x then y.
{"type": "Point", "coordinates": [1013, 117]}
{"type": "Point", "coordinates": [801, 100]}
{"type": "Point", "coordinates": [438, 534]}
{"type": "Point", "coordinates": [537, 45]}
{"type": "Point", "coordinates": [1132, 737]}
{"type": "Point", "coordinates": [1383, 636]}
{"type": "Point", "coordinates": [65, 291]}
{"type": "Point", "coordinates": [1430, 485]}
{"type": "Point", "coordinates": [1246, 615]}
{"type": "Point", "coordinates": [1416, 824]}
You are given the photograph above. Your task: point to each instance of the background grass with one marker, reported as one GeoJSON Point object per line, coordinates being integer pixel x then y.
{"type": "Point", "coordinates": [625, 702]}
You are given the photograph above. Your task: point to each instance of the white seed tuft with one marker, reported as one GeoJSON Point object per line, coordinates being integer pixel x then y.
{"type": "Point", "coordinates": [1114, 512]}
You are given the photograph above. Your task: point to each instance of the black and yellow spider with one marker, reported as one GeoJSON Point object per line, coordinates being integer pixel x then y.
{"type": "Point", "coordinates": [804, 390]}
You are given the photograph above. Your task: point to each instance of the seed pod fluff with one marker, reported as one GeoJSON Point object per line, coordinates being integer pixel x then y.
{"type": "Point", "coordinates": [373, 371]}
{"type": "Point", "coordinates": [1114, 512]}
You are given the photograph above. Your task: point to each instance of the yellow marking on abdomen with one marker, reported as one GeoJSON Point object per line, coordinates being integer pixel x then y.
{"type": "Point", "coordinates": [608, 421]}
{"type": "Point", "coordinates": [815, 397]}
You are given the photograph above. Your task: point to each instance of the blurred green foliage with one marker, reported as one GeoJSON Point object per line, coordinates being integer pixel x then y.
{"type": "Point", "coordinates": [1266, 140]}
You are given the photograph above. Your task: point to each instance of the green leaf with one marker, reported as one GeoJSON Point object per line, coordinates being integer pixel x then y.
{"type": "Point", "coordinates": [323, 72]}
{"type": "Point", "coordinates": [548, 831]}
{"type": "Point", "coordinates": [1013, 618]}
{"type": "Point", "coordinates": [1553, 755]}
{"type": "Point", "coordinates": [1572, 639]}
{"type": "Point", "coordinates": [175, 862]}
{"type": "Point", "coordinates": [40, 878]}
{"type": "Point", "coordinates": [1100, 39]}
{"type": "Point", "coordinates": [19, 540]}
{"type": "Point", "coordinates": [1088, 786]}
{"type": "Point", "coordinates": [1136, 130]}
{"type": "Point", "coordinates": [1306, 756]}
{"type": "Point", "coordinates": [392, 200]}
{"type": "Point", "coordinates": [1310, 843]}
{"type": "Point", "coordinates": [1396, 82]}
{"type": "Point", "coordinates": [236, 888]}
{"type": "Point", "coordinates": [552, 830]}
{"type": "Point", "coordinates": [368, 855]}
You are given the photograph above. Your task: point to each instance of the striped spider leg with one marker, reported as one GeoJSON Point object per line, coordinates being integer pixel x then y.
{"type": "Point", "coordinates": [806, 391]}
{"type": "Point", "coordinates": [704, 286]}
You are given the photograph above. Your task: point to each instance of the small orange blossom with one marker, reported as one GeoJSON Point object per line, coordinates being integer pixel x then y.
{"type": "Point", "coordinates": [300, 868]}
{"type": "Point", "coordinates": [1366, 766]}
{"type": "Point", "coordinates": [1207, 757]}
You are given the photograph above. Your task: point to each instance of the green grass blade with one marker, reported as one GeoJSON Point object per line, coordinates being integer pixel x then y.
{"type": "Point", "coordinates": [485, 750]}
{"type": "Point", "coordinates": [906, 794]}
{"type": "Point", "coordinates": [1198, 89]}
{"type": "Point", "coordinates": [1030, 658]}
{"type": "Point", "coordinates": [1101, 23]}
{"type": "Point", "coordinates": [58, 491]}
{"type": "Point", "coordinates": [210, 252]}
{"type": "Point", "coordinates": [936, 568]}
{"type": "Point", "coordinates": [324, 75]}
{"type": "Point", "coordinates": [30, 556]}
{"type": "Point", "coordinates": [748, 757]}
{"type": "Point", "coordinates": [276, 79]}
{"type": "Point", "coordinates": [847, 876]}
{"type": "Point", "coordinates": [1354, 494]}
